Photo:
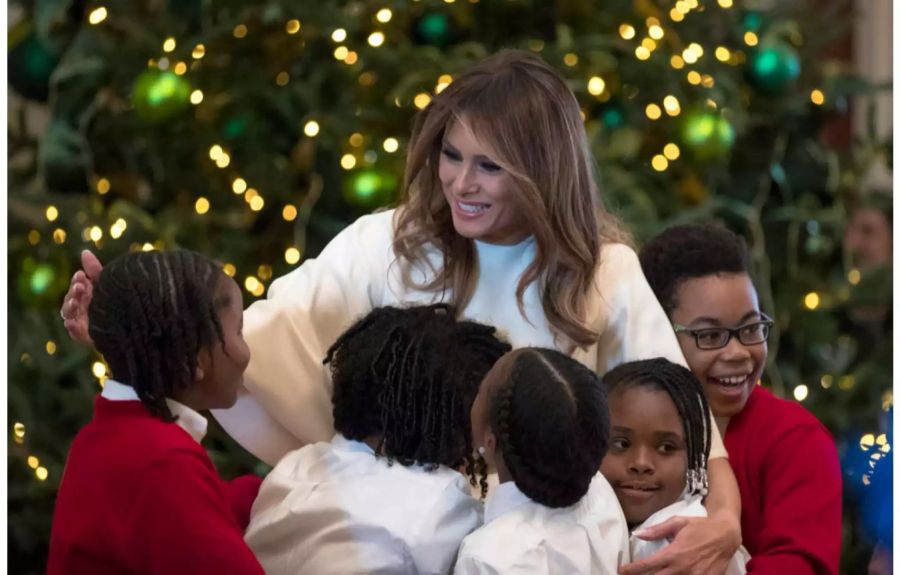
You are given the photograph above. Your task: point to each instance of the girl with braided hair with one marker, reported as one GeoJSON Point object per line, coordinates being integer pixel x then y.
{"type": "Point", "coordinates": [385, 495]}
{"type": "Point", "coordinates": [541, 420]}
{"type": "Point", "coordinates": [139, 493]}
{"type": "Point", "coordinates": [658, 448]}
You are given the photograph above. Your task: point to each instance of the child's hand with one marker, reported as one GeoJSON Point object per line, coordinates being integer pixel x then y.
{"type": "Point", "coordinates": [699, 545]}
{"type": "Point", "coordinates": [75, 305]}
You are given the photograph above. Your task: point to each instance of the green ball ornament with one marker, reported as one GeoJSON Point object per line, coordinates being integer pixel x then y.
{"type": "Point", "coordinates": [160, 95]}
{"type": "Point", "coordinates": [235, 128]}
{"type": "Point", "coordinates": [433, 29]}
{"type": "Point", "coordinates": [369, 188]}
{"type": "Point", "coordinates": [773, 68]}
{"type": "Point", "coordinates": [706, 135]}
{"type": "Point", "coordinates": [612, 116]}
{"type": "Point", "coordinates": [752, 21]}
{"type": "Point", "coordinates": [42, 284]}
{"type": "Point", "coordinates": [30, 63]}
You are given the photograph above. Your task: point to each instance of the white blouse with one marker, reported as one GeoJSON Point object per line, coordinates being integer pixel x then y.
{"type": "Point", "coordinates": [687, 506]}
{"type": "Point", "coordinates": [287, 402]}
{"type": "Point", "coordinates": [522, 537]}
{"type": "Point", "coordinates": [336, 508]}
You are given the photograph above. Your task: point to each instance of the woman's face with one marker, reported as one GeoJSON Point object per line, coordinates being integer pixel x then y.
{"type": "Point", "coordinates": [481, 194]}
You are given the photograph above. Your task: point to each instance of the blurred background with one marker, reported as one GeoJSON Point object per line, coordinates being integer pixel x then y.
{"type": "Point", "coordinates": [253, 131]}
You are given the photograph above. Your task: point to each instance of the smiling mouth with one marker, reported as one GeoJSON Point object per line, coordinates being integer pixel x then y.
{"type": "Point", "coordinates": [472, 207]}
{"type": "Point", "coordinates": [733, 381]}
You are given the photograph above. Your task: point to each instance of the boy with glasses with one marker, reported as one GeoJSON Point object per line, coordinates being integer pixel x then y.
{"type": "Point", "coordinates": [784, 459]}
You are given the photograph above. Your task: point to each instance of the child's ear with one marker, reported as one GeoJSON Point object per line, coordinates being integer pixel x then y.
{"type": "Point", "coordinates": [204, 365]}
{"type": "Point", "coordinates": [490, 447]}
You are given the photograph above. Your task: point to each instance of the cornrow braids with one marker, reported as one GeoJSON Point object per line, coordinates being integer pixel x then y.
{"type": "Point", "coordinates": [690, 251]}
{"type": "Point", "coordinates": [409, 377]}
{"type": "Point", "coordinates": [687, 394]}
{"type": "Point", "coordinates": [551, 420]}
{"type": "Point", "coordinates": [150, 316]}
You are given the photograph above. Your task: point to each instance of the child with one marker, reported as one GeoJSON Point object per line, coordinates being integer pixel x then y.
{"type": "Point", "coordinates": [784, 459]}
{"type": "Point", "coordinates": [658, 449]}
{"type": "Point", "coordinates": [541, 420]}
{"type": "Point", "coordinates": [139, 493]}
{"type": "Point", "coordinates": [385, 495]}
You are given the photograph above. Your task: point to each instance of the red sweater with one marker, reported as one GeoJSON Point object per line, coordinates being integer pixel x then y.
{"type": "Point", "coordinates": [139, 495]}
{"type": "Point", "coordinates": [789, 477]}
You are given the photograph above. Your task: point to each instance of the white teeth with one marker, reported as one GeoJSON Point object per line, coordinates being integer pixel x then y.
{"type": "Point", "coordinates": [734, 380]}
{"type": "Point", "coordinates": [472, 208]}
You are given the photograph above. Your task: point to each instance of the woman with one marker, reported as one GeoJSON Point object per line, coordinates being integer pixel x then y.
{"type": "Point", "coordinates": [500, 216]}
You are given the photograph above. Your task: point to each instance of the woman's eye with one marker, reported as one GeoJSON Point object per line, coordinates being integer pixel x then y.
{"type": "Point", "coordinates": [668, 448]}
{"type": "Point", "coordinates": [490, 167]}
{"type": "Point", "coordinates": [450, 154]}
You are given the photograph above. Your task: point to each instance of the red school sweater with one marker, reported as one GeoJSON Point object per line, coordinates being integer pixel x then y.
{"type": "Point", "coordinates": [789, 477]}
{"type": "Point", "coordinates": [139, 495]}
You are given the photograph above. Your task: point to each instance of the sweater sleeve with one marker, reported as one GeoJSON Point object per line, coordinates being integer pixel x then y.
{"type": "Point", "coordinates": [181, 521]}
{"type": "Point", "coordinates": [636, 326]}
{"type": "Point", "coordinates": [801, 516]}
{"type": "Point", "coordinates": [289, 332]}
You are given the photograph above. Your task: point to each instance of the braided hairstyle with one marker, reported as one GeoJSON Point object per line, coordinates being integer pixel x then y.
{"type": "Point", "coordinates": [690, 251]}
{"type": "Point", "coordinates": [150, 316]}
{"type": "Point", "coordinates": [409, 377]}
{"type": "Point", "coordinates": [687, 394]}
{"type": "Point", "coordinates": [551, 420]}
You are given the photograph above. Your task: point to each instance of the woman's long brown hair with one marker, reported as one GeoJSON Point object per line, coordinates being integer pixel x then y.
{"type": "Point", "coordinates": [523, 112]}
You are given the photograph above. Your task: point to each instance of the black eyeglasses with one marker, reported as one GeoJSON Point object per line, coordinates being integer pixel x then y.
{"type": "Point", "coordinates": [718, 337]}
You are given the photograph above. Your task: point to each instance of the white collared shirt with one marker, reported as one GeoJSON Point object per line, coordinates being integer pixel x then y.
{"type": "Point", "coordinates": [337, 508]}
{"type": "Point", "coordinates": [686, 506]}
{"type": "Point", "coordinates": [521, 536]}
{"type": "Point", "coordinates": [188, 419]}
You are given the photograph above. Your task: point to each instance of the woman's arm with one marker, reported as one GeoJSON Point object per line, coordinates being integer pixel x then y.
{"type": "Point", "coordinates": [288, 403]}
{"type": "Point", "coordinates": [637, 328]}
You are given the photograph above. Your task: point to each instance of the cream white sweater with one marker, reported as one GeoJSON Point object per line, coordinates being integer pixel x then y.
{"type": "Point", "coordinates": [287, 403]}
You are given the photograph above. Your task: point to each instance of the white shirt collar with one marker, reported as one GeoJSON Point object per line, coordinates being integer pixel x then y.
{"type": "Point", "coordinates": [505, 498]}
{"type": "Point", "coordinates": [341, 443]}
{"type": "Point", "coordinates": [188, 419]}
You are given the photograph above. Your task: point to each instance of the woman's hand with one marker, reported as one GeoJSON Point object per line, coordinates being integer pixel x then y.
{"type": "Point", "coordinates": [75, 305]}
{"type": "Point", "coordinates": [700, 545]}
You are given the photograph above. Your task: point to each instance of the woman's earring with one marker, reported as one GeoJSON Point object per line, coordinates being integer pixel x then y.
{"type": "Point", "coordinates": [481, 451]}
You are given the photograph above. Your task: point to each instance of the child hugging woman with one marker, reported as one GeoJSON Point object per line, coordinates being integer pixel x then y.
{"type": "Point", "coordinates": [658, 448]}
{"type": "Point", "coordinates": [386, 494]}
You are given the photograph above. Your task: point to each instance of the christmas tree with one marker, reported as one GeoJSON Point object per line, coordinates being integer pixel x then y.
{"type": "Point", "coordinates": [254, 131]}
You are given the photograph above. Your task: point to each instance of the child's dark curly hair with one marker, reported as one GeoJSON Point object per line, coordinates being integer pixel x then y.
{"type": "Point", "coordinates": [409, 377]}
{"type": "Point", "coordinates": [690, 251]}
{"type": "Point", "coordinates": [690, 401]}
{"type": "Point", "coordinates": [551, 420]}
{"type": "Point", "coordinates": [151, 314]}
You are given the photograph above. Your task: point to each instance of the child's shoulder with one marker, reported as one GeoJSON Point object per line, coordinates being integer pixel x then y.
{"type": "Point", "coordinates": [342, 459]}
{"type": "Point", "coordinates": [128, 427]}
{"type": "Point", "coordinates": [486, 543]}
{"type": "Point", "coordinates": [779, 413]}
{"type": "Point", "coordinates": [767, 421]}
